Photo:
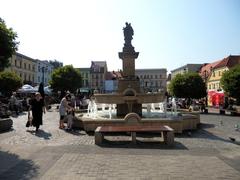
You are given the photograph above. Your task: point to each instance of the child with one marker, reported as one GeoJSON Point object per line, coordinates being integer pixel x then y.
{"type": "Point", "coordinates": [70, 116]}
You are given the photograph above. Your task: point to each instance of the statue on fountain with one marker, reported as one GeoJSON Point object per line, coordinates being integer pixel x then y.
{"type": "Point", "coordinates": [128, 33]}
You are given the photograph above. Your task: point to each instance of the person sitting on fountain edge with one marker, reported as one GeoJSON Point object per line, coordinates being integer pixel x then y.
{"type": "Point", "coordinates": [63, 107]}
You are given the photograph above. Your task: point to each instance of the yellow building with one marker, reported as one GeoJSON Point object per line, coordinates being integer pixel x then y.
{"type": "Point", "coordinates": [213, 83]}
{"type": "Point", "coordinates": [219, 69]}
{"type": "Point", "coordinates": [24, 67]}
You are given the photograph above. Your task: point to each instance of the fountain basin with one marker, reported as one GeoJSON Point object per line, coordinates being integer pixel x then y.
{"type": "Point", "coordinates": [187, 121]}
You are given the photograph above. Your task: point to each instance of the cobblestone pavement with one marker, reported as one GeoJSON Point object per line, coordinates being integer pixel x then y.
{"type": "Point", "coordinates": [206, 153]}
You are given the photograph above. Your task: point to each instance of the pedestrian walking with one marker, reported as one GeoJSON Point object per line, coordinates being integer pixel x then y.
{"type": "Point", "coordinates": [37, 107]}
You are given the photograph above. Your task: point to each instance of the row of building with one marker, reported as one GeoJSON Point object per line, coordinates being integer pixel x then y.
{"type": "Point", "coordinates": [211, 73]}
{"type": "Point", "coordinates": [31, 71]}
{"type": "Point", "coordinates": [97, 77]}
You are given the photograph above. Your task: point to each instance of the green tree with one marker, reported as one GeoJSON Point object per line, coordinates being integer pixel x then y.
{"type": "Point", "coordinates": [56, 64]}
{"type": "Point", "coordinates": [8, 44]}
{"type": "Point", "coordinates": [188, 85]}
{"type": "Point", "coordinates": [9, 82]}
{"type": "Point", "coordinates": [66, 78]}
{"type": "Point", "coordinates": [230, 82]}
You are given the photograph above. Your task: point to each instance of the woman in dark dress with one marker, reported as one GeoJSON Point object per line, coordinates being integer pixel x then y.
{"type": "Point", "coordinates": [37, 107]}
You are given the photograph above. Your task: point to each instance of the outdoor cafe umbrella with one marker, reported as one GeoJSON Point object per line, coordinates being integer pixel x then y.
{"type": "Point", "coordinates": [26, 88]}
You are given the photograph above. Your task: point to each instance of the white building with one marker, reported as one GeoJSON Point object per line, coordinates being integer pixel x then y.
{"type": "Point", "coordinates": [152, 79]}
{"type": "Point", "coordinates": [43, 72]}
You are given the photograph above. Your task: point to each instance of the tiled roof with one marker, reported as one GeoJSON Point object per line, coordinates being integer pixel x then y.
{"type": "Point", "coordinates": [229, 62]}
{"type": "Point", "coordinates": [98, 66]}
{"type": "Point", "coordinates": [113, 75]}
{"type": "Point", "coordinates": [99, 63]}
{"type": "Point", "coordinates": [207, 69]}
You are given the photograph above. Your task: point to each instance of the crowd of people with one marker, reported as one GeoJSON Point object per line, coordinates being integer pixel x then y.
{"type": "Point", "coordinates": [67, 104]}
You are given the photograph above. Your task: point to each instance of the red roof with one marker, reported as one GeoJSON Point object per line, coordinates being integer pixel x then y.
{"type": "Point", "coordinates": [229, 62]}
{"type": "Point", "coordinates": [206, 69]}
{"type": "Point", "coordinates": [113, 75]}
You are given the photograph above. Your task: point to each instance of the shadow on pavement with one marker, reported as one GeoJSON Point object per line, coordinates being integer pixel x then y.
{"type": "Point", "coordinates": [40, 133]}
{"type": "Point", "coordinates": [12, 167]}
{"type": "Point", "coordinates": [203, 133]}
{"type": "Point", "coordinates": [206, 125]}
{"type": "Point", "coordinates": [141, 144]}
{"type": "Point", "coordinates": [6, 131]}
{"type": "Point", "coordinates": [75, 132]}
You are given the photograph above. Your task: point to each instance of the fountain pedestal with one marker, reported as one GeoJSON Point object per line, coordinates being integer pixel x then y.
{"type": "Point", "coordinates": [129, 86]}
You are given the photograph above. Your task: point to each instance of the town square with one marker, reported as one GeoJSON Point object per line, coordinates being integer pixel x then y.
{"type": "Point", "coordinates": [128, 116]}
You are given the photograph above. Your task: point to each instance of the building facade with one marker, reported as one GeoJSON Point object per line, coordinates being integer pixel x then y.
{"type": "Point", "coordinates": [23, 66]}
{"type": "Point", "coordinates": [98, 72]}
{"type": "Point", "coordinates": [186, 68]}
{"type": "Point", "coordinates": [43, 72]}
{"type": "Point", "coordinates": [152, 80]}
{"type": "Point", "coordinates": [219, 69]}
{"type": "Point", "coordinates": [111, 81]}
{"type": "Point", "coordinates": [86, 78]}
{"type": "Point", "coordinates": [212, 74]}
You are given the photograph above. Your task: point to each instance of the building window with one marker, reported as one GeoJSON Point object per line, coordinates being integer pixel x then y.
{"type": "Point", "coordinates": [38, 79]}
{"type": "Point", "coordinates": [214, 86]}
{"type": "Point", "coordinates": [213, 76]}
{"type": "Point", "coordinates": [25, 66]}
{"type": "Point", "coordinates": [219, 73]}
{"type": "Point", "coordinates": [156, 76]}
{"type": "Point", "coordinates": [160, 76]}
{"type": "Point", "coordinates": [209, 86]}
{"type": "Point", "coordinates": [33, 67]}
{"type": "Point", "coordinates": [15, 62]}
{"type": "Point", "coordinates": [160, 83]}
{"type": "Point", "coordinates": [20, 64]}
{"type": "Point", "coordinates": [29, 66]}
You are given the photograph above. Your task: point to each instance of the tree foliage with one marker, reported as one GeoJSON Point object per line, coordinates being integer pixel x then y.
{"type": "Point", "coordinates": [66, 78]}
{"type": "Point", "coordinates": [8, 44]}
{"type": "Point", "coordinates": [230, 82]}
{"type": "Point", "coordinates": [56, 64]}
{"type": "Point", "coordinates": [9, 82]}
{"type": "Point", "coordinates": [188, 85]}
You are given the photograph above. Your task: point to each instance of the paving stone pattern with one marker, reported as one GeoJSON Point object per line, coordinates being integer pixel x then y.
{"type": "Point", "coordinates": [206, 153]}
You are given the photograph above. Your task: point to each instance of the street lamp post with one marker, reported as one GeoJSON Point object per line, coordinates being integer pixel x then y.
{"type": "Point", "coordinates": [205, 80]}
{"type": "Point", "coordinates": [42, 74]}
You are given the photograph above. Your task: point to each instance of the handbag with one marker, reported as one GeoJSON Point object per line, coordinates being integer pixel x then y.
{"type": "Point", "coordinates": [28, 124]}
{"type": "Point", "coordinates": [29, 121]}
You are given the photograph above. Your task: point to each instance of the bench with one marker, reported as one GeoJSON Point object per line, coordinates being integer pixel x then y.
{"type": "Point", "coordinates": [166, 131]}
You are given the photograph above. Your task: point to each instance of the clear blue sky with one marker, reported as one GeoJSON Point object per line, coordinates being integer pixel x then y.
{"type": "Point", "coordinates": [168, 34]}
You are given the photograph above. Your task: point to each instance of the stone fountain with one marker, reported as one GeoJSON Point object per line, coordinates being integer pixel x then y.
{"type": "Point", "coordinates": [129, 99]}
